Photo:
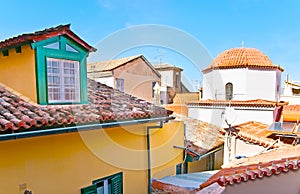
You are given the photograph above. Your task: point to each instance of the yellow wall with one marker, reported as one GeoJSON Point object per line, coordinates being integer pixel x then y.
{"type": "Point", "coordinates": [67, 162]}
{"type": "Point", "coordinates": [18, 71]}
{"type": "Point", "coordinates": [200, 165]}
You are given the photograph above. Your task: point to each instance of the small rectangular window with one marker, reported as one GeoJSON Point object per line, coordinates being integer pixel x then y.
{"type": "Point", "coordinates": [5, 53]}
{"type": "Point", "coordinates": [18, 49]}
{"type": "Point", "coordinates": [120, 84]}
{"type": "Point", "coordinates": [63, 80]}
{"type": "Point", "coordinates": [179, 168]}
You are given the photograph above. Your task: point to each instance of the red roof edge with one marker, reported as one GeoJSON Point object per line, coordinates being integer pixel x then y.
{"type": "Point", "coordinates": [230, 176]}
{"type": "Point", "coordinates": [169, 188]}
{"type": "Point", "coordinates": [45, 34]}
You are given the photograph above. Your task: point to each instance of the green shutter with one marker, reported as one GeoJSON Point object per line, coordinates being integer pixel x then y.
{"type": "Point", "coordinates": [179, 168]}
{"type": "Point", "coordinates": [92, 189]}
{"type": "Point", "coordinates": [117, 184]}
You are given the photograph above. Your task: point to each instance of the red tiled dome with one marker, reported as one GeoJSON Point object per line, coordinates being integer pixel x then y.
{"type": "Point", "coordinates": [242, 58]}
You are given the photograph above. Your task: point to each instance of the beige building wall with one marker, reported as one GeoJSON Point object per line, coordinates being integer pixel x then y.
{"type": "Point", "coordinates": [138, 78]}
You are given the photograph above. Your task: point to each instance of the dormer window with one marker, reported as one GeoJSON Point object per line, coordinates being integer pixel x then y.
{"type": "Point", "coordinates": [61, 70]}
{"type": "Point", "coordinates": [63, 80]}
{"type": "Point", "coordinates": [52, 63]}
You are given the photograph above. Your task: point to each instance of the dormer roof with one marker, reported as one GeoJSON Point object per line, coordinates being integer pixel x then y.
{"type": "Point", "coordinates": [42, 35]}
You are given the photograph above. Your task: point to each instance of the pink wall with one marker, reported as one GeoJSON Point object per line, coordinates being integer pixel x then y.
{"type": "Point", "coordinates": [284, 183]}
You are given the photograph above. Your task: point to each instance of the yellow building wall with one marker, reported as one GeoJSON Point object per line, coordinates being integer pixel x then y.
{"type": "Point", "coordinates": [19, 68]}
{"type": "Point", "coordinates": [200, 165]}
{"type": "Point", "coordinates": [197, 166]}
{"type": "Point", "coordinates": [65, 163]}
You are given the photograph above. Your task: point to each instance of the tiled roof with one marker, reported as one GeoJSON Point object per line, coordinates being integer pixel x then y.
{"type": "Point", "coordinates": [291, 113]}
{"type": "Point", "coordinates": [256, 133]}
{"type": "Point", "coordinates": [273, 162]}
{"type": "Point", "coordinates": [201, 136]}
{"type": "Point", "coordinates": [110, 65]}
{"type": "Point", "coordinates": [240, 103]}
{"type": "Point", "coordinates": [242, 58]}
{"type": "Point", "coordinates": [105, 105]}
{"type": "Point", "coordinates": [165, 66]}
{"type": "Point", "coordinates": [234, 175]}
{"type": "Point", "coordinates": [42, 35]}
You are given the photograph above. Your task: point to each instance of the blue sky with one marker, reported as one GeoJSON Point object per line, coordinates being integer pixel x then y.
{"type": "Point", "coordinates": [272, 26]}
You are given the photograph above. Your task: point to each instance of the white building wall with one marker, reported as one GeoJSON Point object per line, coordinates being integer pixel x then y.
{"type": "Point", "coordinates": [262, 85]}
{"type": "Point", "coordinates": [214, 83]}
{"type": "Point", "coordinates": [213, 115]}
{"type": "Point", "coordinates": [109, 81]}
{"type": "Point", "coordinates": [248, 84]}
{"type": "Point", "coordinates": [292, 100]}
{"type": "Point", "coordinates": [166, 78]}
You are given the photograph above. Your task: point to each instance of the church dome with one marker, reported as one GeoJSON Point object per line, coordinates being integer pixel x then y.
{"type": "Point", "coordinates": [242, 58]}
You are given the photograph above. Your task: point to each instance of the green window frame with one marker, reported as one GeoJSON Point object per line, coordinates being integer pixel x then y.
{"type": "Point", "coordinates": [113, 184]}
{"type": "Point", "coordinates": [59, 48]}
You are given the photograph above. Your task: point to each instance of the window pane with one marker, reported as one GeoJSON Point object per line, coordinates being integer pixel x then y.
{"type": "Point", "coordinates": [54, 63]}
{"type": "Point", "coordinates": [66, 71]}
{"type": "Point", "coordinates": [69, 48]}
{"type": "Point", "coordinates": [53, 45]}
{"type": "Point", "coordinates": [55, 70]}
{"type": "Point", "coordinates": [63, 87]}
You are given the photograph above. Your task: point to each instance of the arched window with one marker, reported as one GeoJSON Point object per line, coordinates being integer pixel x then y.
{"type": "Point", "coordinates": [228, 91]}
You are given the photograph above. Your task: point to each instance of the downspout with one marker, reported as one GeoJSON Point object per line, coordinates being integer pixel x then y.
{"type": "Point", "coordinates": [149, 154]}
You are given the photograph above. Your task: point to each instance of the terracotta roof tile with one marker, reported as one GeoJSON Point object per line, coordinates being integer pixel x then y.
{"type": "Point", "coordinates": [103, 68]}
{"type": "Point", "coordinates": [201, 136]}
{"type": "Point", "coordinates": [165, 66]}
{"type": "Point", "coordinates": [256, 133]}
{"type": "Point", "coordinates": [105, 105]}
{"type": "Point", "coordinates": [242, 58]}
{"type": "Point", "coordinates": [233, 175]}
{"type": "Point", "coordinates": [243, 103]}
{"type": "Point", "coordinates": [110, 65]}
{"type": "Point", "coordinates": [272, 162]}
{"type": "Point", "coordinates": [42, 35]}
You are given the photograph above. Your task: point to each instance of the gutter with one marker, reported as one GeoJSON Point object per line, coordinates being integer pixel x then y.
{"type": "Point", "coordinates": [78, 128]}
